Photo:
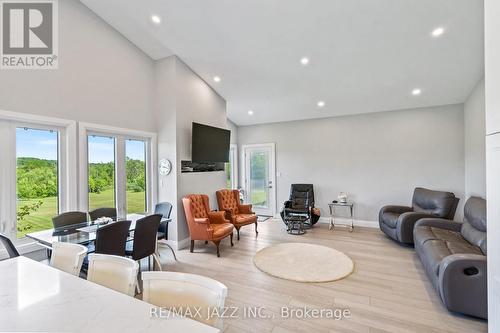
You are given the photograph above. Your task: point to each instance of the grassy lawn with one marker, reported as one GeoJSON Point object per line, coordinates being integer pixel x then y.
{"type": "Point", "coordinates": [42, 218]}
{"type": "Point", "coordinates": [258, 197]}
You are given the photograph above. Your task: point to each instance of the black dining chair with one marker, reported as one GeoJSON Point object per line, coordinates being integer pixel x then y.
{"type": "Point", "coordinates": [68, 218]}
{"type": "Point", "coordinates": [103, 212]}
{"type": "Point", "coordinates": [7, 243]}
{"type": "Point", "coordinates": [111, 238]}
{"type": "Point", "coordinates": [164, 209]}
{"type": "Point", "coordinates": [144, 244]}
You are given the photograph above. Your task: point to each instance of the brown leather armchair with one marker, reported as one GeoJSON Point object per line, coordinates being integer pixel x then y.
{"type": "Point", "coordinates": [237, 213]}
{"type": "Point", "coordinates": [204, 224]}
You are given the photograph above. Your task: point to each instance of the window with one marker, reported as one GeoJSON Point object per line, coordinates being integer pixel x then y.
{"type": "Point", "coordinates": [101, 171]}
{"type": "Point", "coordinates": [37, 179]}
{"type": "Point", "coordinates": [117, 170]}
{"type": "Point", "coordinates": [135, 169]}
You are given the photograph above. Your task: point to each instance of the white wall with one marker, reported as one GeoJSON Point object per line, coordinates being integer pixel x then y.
{"type": "Point", "coordinates": [492, 87]}
{"type": "Point", "coordinates": [234, 131]}
{"type": "Point", "coordinates": [377, 158]}
{"type": "Point", "coordinates": [102, 77]}
{"type": "Point", "coordinates": [475, 144]}
{"type": "Point", "coordinates": [197, 102]}
{"type": "Point", "coordinates": [183, 98]}
{"type": "Point", "coordinates": [165, 97]}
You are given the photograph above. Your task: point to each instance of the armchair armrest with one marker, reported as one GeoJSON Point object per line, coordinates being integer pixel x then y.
{"type": "Point", "coordinates": [395, 209]}
{"type": "Point", "coordinates": [406, 224]}
{"type": "Point", "coordinates": [440, 223]}
{"type": "Point", "coordinates": [287, 204]}
{"type": "Point", "coordinates": [201, 229]}
{"type": "Point", "coordinates": [245, 209]}
{"type": "Point", "coordinates": [201, 220]}
{"type": "Point", "coordinates": [164, 225]}
{"type": "Point", "coordinates": [217, 217]}
{"type": "Point", "coordinates": [463, 284]}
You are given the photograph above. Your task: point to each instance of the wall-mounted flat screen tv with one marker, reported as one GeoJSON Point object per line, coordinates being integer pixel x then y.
{"type": "Point", "coordinates": [210, 144]}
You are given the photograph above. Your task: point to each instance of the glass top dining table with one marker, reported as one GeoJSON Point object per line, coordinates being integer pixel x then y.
{"type": "Point", "coordinates": [81, 233]}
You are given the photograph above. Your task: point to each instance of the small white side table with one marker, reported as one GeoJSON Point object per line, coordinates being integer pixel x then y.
{"type": "Point", "coordinates": [333, 214]}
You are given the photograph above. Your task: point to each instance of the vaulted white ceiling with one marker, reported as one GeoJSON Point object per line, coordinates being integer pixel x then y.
{"type": "Point", "coordinates": [365, 55]}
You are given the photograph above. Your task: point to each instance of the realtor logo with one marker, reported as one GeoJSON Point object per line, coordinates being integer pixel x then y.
{"type": "Point", "coordinates": [29, 34]}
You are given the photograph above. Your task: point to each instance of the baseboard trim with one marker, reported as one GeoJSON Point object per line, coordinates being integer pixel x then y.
{"type": "Point", "coordinates": [357, 223]}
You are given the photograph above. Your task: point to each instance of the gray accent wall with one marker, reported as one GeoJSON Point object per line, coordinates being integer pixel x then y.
{"type": "Point", "coordinates": [475, 143]}
{"type": "Point", "coordinates": [377, 158]}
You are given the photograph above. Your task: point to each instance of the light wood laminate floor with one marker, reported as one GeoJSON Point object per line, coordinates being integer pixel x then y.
{"type": "Point", "coordinates": [388, 291]}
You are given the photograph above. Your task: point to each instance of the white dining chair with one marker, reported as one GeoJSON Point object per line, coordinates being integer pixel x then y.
{"type": "Point", "coordinates": [115, 272]}
{"type": "Point", "coordinates": [68, 257]}
{"type": "Point", "coordinates": [180, 291]}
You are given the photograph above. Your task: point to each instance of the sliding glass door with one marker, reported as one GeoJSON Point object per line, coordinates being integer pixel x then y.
{"type": "Point", "coordinates": [37, 179]}
{"type": "Point", "coordinates": [135, 169]}
{"type": "Point", "coordinates": [101, 171]}
{"type": "Point", "coordinates": [117, 172]}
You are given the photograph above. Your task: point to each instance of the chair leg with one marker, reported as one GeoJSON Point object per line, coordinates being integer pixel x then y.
{"type": "Point", "coordinates": [192, 246]}
{"type": "Point", "coordinates": [206, 242]}
{"type": "Point", "coordinates": [217, 243]}
{"type": "Point", "coordinates": [157, 260]}
{"type": "Point", "coordinates": [231, 237]}
{"type": "Point", "coordinates": [171, 249]}
{"type": "Point", "coordinates": [238, 232]}
{"type": "Point", "coordinates": [256, 232]}
{"type": "Point", "coordinates": [149, 263]}
{"type": "Point", "coordinates": [137, 287]}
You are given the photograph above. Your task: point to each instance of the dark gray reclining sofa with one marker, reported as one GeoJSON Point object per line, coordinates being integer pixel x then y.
{"type": "Point", "coordinates": [397, 222]}
{"type": "Point", "coordinates": [454, 257]}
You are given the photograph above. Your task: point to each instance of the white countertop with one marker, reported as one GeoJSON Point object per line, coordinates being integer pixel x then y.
{"type": "Point", "coordinates": [36, 297]}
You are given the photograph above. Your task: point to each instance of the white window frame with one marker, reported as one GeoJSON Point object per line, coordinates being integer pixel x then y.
{"type": "Point", "coordinates": [121, 135]}
{"type": "Point", "coordinates": [67, 184]}
{"type": "Point", "coordinates": [233, 159]}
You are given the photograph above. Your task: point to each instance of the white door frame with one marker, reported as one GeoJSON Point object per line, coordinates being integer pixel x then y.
{"type": "Point", "coordinates": [272, 172]}
{"type": "Point", "coordinates": [233, 151]}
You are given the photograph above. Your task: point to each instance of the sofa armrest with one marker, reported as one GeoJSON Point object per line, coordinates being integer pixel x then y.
{"type": "Point", "coordinates": [463, 284]}
{"type": "Point", "coordinates": [406, 224]}
{"type": "Point", "coordinates": [245, 209]}
{"type": "Point", "coordinates": [440, 223]}
{"type": "Point", "coordinates": [217, 217]}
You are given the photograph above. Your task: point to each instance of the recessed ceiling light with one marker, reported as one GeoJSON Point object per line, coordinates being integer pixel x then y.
{"type": "Point", "coordinates": [156, 19]}
{"type": "Point", "coordinates": [416, 91]}
{"type": "Point", "coordinates": [321, 104]}
{"type": "Point", "coordinates": [250, 112]}
{"type": "Point", "coordinates": [216, 79]}
{"type": "Point", "coordinates": [304, 61]}
{"type": "Point", "coordinates": [437, 32]}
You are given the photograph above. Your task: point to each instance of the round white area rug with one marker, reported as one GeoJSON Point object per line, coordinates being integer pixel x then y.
{"type": "Point", "coordinates": [303, 262]}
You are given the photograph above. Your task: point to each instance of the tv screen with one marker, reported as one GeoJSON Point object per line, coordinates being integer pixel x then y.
{"type": "Point", "coordinates": [210, 144]}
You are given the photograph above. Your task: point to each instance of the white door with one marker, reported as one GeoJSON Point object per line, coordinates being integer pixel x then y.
{"type": "Point", "coordinates": [260, 177]}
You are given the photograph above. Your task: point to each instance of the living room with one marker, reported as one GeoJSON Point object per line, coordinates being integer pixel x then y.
{"type": "Point", "coordinates": [354, 190]}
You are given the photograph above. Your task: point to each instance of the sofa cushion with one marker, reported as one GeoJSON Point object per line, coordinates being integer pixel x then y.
{"type": "Point", "coordinates": [243, 219]}
{"type": "Point", "coordinates": [474, 226]}
{"type": "Point", "coordinates": [435, 250]}
{"type": "Point", "coordinates": [391, 219]}
{"type": "Point", "coordinates": [221, 230]}
{"type": "Point", "coordinates": [425, 233]}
